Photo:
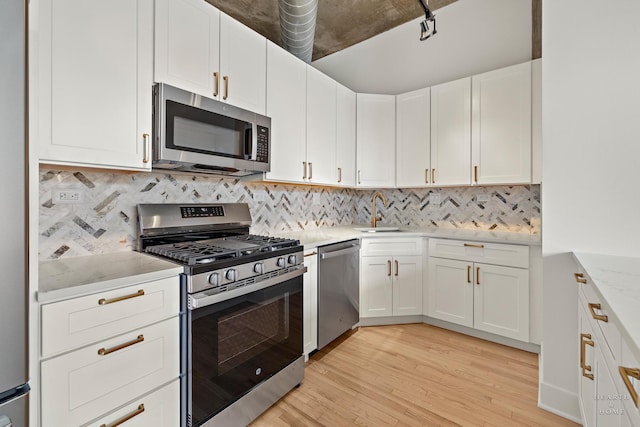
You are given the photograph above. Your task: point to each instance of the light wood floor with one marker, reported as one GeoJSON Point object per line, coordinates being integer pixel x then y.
{"type": "Point", "coordinates": [414, 375]}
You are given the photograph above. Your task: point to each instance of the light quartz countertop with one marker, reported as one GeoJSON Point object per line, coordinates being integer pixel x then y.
{"type": "Point", "coordinates": [78, 276]}
{"type": "Point", "coordinates": [617, 279]}
{"type": "Point", "coordinates": [328, 235]}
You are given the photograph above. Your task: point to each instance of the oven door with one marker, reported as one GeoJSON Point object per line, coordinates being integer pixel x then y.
{"type": "Point", "coordinates": [240, 342]}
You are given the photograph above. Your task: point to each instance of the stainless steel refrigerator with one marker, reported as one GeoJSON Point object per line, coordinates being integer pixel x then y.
{"type": "Point", "coordinates": [14, 364]}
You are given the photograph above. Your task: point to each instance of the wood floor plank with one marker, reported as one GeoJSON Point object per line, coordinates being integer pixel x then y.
{"type": "Point", "coordinates": [411, 376]}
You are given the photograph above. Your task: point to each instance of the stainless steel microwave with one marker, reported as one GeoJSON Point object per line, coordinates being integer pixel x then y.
{"type": "Point", "coordinates": [194, 133]}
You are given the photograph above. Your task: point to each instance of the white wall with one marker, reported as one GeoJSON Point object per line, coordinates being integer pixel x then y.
{"type": "Point", "coordinates": [473, 37]}
{"type": "Point", "coordinates": [591, 163]}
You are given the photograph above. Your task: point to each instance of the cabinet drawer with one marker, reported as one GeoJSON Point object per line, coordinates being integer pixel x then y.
{"type": "Point", "coordinates": [80, 321]}
{"type": "Point", "coordinates": [629, 361]}
{"type": "Point", "coordinates": [81, 385]}
{"type": "Point", "coordinates": [390, 246]}
{"type": "Point", "coordinates": [159, 409]}
{"type": "Point", "coordinates": [488, 253]}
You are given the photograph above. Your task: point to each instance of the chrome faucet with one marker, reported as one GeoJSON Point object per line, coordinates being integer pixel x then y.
{"type": "Point", "coordinates": [374, 218]}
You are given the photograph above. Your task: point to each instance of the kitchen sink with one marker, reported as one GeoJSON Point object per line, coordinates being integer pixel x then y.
{"type": "Point", "coordinates": [376, 229]}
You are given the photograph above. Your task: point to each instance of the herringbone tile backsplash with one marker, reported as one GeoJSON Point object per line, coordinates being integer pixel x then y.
{"type": "Point", "coordinates": [105, 218]}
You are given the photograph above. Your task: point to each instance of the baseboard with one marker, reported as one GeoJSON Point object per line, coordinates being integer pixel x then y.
{"type": "Point", "coordinates": [392, 320]}
{"type": "Point", "coordinates": [559, 401]}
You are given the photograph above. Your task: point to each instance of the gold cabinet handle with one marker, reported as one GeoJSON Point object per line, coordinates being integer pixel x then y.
{"type": "Point", "coordinates": [593, 307]}
{"type": "Point", "coordinates": [397, 268]}
{"type": "Point", "coordinates": [477, 275]}
{"type": "Point", "coordinates": [311, 254]}
{"type": "Point", "coordinates": [147, 148]}
{"type": "Point", "coordinates": [625, 373]}
{"type": "Point", "coordinates": [226, 87]}
{"type": "Point", "coordinates": [426, 176]}
{"type": "Point", "coordinates": [339, 175]}
{"type": "Point", "coordinates": [104, 301]}
{"type": "Point", "coordinates": [359, 178]}
{"type": "Point", "coordinates": [474, 245]}
{"type": "Point", "coordinates": [304, 169]}
{"type": "Point", "coordinates": [310, 170]}
{"type": "Point", "coordinates": [433, 176]}
{"type": "Point", "coordinates": [104, 351]}
{"type": "Point", "coordinates": [585, 340]}
{"type": "Point", "coordinates": [216, 83]}
{"type": "Point", "coordinates": [388, 268]}
{"type": "Point", "coordinates": [580, 278]}
{"type": "Point", "coordinates": [468, 274]}
{"type": "Point", "coordinates": [126, 418]}
{"type": "Point", "coordinates": [475, 174]}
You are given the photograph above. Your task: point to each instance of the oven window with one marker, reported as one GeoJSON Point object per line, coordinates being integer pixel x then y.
{"type": "Point", "coordinates": [239, 343]}
{"type": "Point", "coordinates": [201, 131]}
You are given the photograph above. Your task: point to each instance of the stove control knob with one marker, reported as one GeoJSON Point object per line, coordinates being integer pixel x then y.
{"type": "Point", "coordinates": [293, 260]}
{"type": "Point", "coordinates": [214, 279]}
{"type": "Point", "coordinates": [231, 274]}
{"type": "Point", "coordinates": [258, 268]}
{"type": "Point", "coordinates": [280, 262]}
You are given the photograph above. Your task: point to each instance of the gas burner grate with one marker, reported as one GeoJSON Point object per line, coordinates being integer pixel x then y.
{"type": "Point", "coordinates": [192, 253]}
{"type": "Point", "coordinates": [269, 243]}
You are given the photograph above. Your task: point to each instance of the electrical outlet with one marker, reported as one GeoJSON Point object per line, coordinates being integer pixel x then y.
{"type": "Point", "coordinates": [483, 198]}
{"type": "Point", "coordinates": [434, 198]}
{"type": "Point", "coordinates": [66, 196]}
{"type": "Point", "coordinates": [316, 199]}
{"type": "Point", "coordinates": [259, 196]}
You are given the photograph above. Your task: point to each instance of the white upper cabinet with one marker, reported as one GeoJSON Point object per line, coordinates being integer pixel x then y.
{"type": "Point", "coordinates": [321, 128]}
{"type": "Point", "coordinates": [536, 121]}
{"type": "Point", "coordinates": [346, 136]}
{"type": "Point", "coordinates": [451, 133]}
{"type": "Point", "coordinates": [95, 83]}
{"type": "Point", "coordinates": [376, 140]}
{"type": "Point", "coordinates": [187, 40]}
{"type": "Point", "coordinates": [287, 107]}
{"type": "Point", "coordinates": [413, 138]}
{"type": "Point", "coordinates": [202, 50]}
{"type": "Point", "coordinates": [501, 126]}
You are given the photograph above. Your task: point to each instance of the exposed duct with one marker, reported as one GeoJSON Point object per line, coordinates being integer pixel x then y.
{"type": "Point", "coordinates": [298, 26]}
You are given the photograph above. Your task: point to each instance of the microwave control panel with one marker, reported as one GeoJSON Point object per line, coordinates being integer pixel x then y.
{"type": "Point", "coordinates": [262, 154]}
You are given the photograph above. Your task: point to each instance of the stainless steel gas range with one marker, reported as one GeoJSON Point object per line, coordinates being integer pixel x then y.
{"type": "Point", "coordinates": [241, 309]}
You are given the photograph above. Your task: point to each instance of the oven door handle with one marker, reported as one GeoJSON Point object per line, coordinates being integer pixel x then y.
{"type": "Point", "coordinates": [203, 299]}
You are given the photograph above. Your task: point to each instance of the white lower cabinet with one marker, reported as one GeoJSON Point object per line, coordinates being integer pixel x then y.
{"type": "Point", "coordinates": [310, 302]}
{"type": "Point", "coordinates": [391, 284]}
{"type": "Point", "coordinates": [131, 358]}
{"type": "Point", "coordinates": [487, 297]}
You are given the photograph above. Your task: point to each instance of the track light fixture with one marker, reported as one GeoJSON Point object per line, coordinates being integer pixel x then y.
{"type": "Point", "coordinates": [425, 30]}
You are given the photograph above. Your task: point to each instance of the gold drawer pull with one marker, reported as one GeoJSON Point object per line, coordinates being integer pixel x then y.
{"type": "Point", "coordinates": [472, 245]}
{"type": "Point", "coordinates": [426, 176]}
{"type": "Point", "coordinates": [593, 307]}
{"type": "Point", "coordinates": [104, 351]}
{"type": "Point", "coordinates": [625, 373]}
{"type": "Point", "coordinates": [388, 268]}
{"type": "Point", "coordinates": [433, 176]}
{"type": "Point", "coordinates": [468, 274]}
{"type": "Point", "coordinates": [475, 174]}
{"type": "Point", "coordinates": [226, 87]}
{"type": "Point", "coordinates": [126, 417]}
{"type": "Point", "coordinates": [477, 275]}
{"type": "Point", "coordinates": [339, 175]}
{"type": "Point", "coordinates": [104, 301]}
{"type": "Point", "coordinates": [585, 340]}
{"type": "Point", "coordinates": [147, 148]}
{"type": "Point", "coordinates": [397, 269]}
{"type": "Point", "coordinates": [580, 278]}
{"type": "Point", "coordinates": [311, 254]}
{"type": "Point", "coordinates": [216, 77]}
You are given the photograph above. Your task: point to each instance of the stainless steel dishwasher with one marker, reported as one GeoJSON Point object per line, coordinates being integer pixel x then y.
{"type": "Point", "coordinates": [338, 289]}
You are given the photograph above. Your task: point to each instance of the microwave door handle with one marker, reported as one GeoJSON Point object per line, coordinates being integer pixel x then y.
{"type": "Point", "coordinates": [248, 142]}
{"type": "Point", "coordinates": [253, 148]}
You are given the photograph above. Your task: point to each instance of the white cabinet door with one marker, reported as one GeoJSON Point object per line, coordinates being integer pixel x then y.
{"type": "Point", "coordinates": [376, 140]}
{"type": "Point", "coordinates": [407, 285]}
{"type": "Point", "coordinates": [287, 107]}
{"type": "Point", "coordinates": [95, 83]}
{"type": "Point", "coordinates": [609, 406]}
{"type": "Point", "coordinates": [450, 291]}
{"type": "Point", "coordinates": [501, 126]}
{"type": "Point", "coordinates": [413, 138]}
{"type": "Point", "coordinates": [321, 128]}
{"type": "Point", "coordinates": [536, 121]}
{"type": "Point", "coordinates": [187, 40]}
{"type": "Point", "coordinates": [451, 133]}
{"type": "Point", "coordinates": [346, 136]}
{"type": "Point", "coordinates": [310, 302]}
{"type": "Point", "coordinates": [242, 65]}
{"type": "Point", "coordinates": [587, 385]}
{"type": "Point", "coordinates": [376, 287]}
{"type": "Point", "coordinates": [501, 300]}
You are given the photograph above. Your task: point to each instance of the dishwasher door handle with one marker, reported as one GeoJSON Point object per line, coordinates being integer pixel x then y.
{"type": "Point", "coordinates": [353, 248]}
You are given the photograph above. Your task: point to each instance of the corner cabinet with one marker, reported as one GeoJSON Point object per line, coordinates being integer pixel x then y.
{"type": "Point", "coordinates": [501, 126]}
{"type": "Point", "coordinates": [95, 80]}
{"type": "Point", "coordinates": [376, 140]}
{"type": "Point", "coordinates": [111, 356]}
{"type": "Point", "coordinates": [413, 138]}
{"type": "Point", "coordinates": [202, 50]}
{"type": "Point", "coordinates": [484, 286]}
{"type": "Point", "coordinates": [346, 136]}
{"type": "Point", "coordinates": [391, 277]}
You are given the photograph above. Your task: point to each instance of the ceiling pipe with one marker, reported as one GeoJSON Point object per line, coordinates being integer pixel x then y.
{"type": "Point", "coordinates": [298, 26]}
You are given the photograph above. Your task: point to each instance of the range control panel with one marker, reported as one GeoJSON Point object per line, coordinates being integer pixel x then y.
{"type": "Point", "coordinates": [201, 211]}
